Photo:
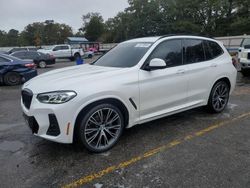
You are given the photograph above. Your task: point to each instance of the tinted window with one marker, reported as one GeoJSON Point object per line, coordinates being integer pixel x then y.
{"type": "Point", "coordinates": [214, 48]}
{"type": "Point", "coordinates": [64, 47]}
{"type": "Point", "coordinates": [57, 48]}
{"type": "Point", "coordinates": [32, 55]}
{"type": "Point", "coordinates": [126, 54]}
{"type": "Point", "coordinates": [208, 51]}
{"type": "Point", "coordinates": [41, 54]}
{"type": "Point", "coordinates": [170, 51]}
{"type": "Point", "coordinates": [19, 54]}
{"type": "Point", "coordinates": [245, 42]}
{"type": "Point", "coordinates": [194, 52]}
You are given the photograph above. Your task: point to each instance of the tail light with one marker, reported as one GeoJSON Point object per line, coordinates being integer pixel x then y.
{"type": "Point", "coordinates": [30, 65]}
{"type": "Point", "coordinates": [234, 62]}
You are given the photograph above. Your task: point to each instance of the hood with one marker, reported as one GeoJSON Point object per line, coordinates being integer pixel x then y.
{"type": "Point", "coordinates": [69, 78]}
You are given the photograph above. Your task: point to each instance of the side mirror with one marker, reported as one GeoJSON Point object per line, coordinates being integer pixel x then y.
{"type": "Point", "coordinates": [155, 64]}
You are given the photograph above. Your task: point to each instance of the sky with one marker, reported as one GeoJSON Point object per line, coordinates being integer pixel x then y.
{"type": "Point", "coordinates": [16, 14]}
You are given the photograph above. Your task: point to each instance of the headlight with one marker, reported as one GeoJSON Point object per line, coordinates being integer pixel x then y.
{"type": "Point", "coordinates": [56, 97]}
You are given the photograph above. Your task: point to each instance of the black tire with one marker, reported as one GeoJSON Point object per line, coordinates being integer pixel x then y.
{"type": "Point", "coordinates": [12, 79]}
{"type": "Point", "coordinates": [90, 129]}
{"type": "Point", "coordinates": [90, 56]}
{"type": "Point", "coordinates": [245, 72]}
{"type": "Point", "coordinates": [42, 64]}
{"type": "Point", "coordinates": [218, 97]}
{"type": "Point", "coordinates": [76, 55]}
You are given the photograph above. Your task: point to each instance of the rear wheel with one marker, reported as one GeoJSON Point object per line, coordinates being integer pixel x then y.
{"type": "Point", "coordinates": [42, 64]}
{"type": "Point", "coordinates": [12, 78]}
{"type": "Point", "coordinates": [101, 128]}
{"type": "Point", "coordinates": [219, 96]}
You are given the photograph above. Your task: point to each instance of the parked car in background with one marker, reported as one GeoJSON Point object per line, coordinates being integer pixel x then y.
{"type": "Point", "coordinates": [21, 49]}
{"type": "Point", "coordinates": [14, 71]}
{"type": "Point", "coordinates": [244, 57]}
{"type": "Point", "coordinates": [63, 51]}
{"type": "Point", "coordinates": [39, 58]}
{"type": "Point", "coordinates": [135, 82]}
{"type": "Point", "coordinates": [89, 54]}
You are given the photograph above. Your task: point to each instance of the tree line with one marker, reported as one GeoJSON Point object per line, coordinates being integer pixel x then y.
{"type": "Point", "coordinates": [144, 18]}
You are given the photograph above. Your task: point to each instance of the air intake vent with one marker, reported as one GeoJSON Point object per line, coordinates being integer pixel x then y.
{"type": "Point", "coordinates": [27, 98]}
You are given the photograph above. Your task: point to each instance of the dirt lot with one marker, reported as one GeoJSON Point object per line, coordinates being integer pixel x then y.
{"type": "Point", "coordinates": [190, 149]}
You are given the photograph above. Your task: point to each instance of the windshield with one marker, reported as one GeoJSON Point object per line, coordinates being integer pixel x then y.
{"type": "Point", "coordinates": [48, 47]}
{"type": "Point", "coordinates": [246, 42]}
{"type": "Point", "coordinates": [126, 54]}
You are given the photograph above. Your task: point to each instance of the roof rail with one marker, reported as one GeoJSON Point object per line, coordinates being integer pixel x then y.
{"type": "Point", "coordinates": [186, 34]}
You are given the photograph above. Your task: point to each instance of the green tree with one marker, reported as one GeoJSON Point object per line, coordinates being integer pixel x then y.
{"type": "Point", "coordinates": [93, 26]}
{"type": "Point", "coordinates": [12, 37]}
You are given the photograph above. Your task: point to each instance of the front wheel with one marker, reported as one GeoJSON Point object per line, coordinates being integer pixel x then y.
{"type": "Point", "coordinates": [101, 128]}
{"type": "Point", "coordinates": [219, 97]}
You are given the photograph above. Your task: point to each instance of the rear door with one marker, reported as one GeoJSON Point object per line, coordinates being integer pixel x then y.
{"type": "Point", "coordinates": [202, 69]}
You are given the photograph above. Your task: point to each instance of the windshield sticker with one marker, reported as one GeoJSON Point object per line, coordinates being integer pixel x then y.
{"type": "Point", "coordinates": [142, 45]}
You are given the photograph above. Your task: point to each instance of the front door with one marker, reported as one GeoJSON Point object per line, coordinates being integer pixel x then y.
{"type": "Point", "coordinates": [164, 91]}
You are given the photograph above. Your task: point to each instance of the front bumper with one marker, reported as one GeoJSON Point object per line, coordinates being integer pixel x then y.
{"type": "Point", "coordinates": [50, 121]}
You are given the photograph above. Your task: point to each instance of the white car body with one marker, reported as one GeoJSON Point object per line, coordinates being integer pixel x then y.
{"type": "Point", "coordinates": [190, 86]}
{"type": "Point", "coordinates": [244, 58]}
{"type": "Point", "coordinates": [62, 51]}
{"type": "Point", "coordinates": [244, 54]}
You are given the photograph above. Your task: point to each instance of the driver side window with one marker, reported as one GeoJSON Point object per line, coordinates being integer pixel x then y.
{"type": "Point", "coordinates": [57, 48]}
{"type": "Point", "coordinates": [170, 51]}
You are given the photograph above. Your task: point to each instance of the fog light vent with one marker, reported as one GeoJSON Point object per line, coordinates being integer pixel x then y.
{"type": "Point", "coordinates": [53, 129]}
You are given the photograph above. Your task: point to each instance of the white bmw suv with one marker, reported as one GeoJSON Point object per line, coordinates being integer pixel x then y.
{"type": "Point", "coordinates": [137, 81]}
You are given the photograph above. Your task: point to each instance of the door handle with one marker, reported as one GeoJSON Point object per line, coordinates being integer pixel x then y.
{"type": "Point", "coordinates": [213, 65]}
{"type": "Point", "coordinates": [181, 71]}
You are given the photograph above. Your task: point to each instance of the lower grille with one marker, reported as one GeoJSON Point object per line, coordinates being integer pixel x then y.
{"type": "Point", "coordinates": [27, 98]}
{"type": "Point", "coordinates": [53, 129]}
{"type": "Point", "coordinates": [32, 123]}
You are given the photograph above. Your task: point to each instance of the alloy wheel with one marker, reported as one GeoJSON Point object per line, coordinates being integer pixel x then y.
{"type": "Point", "coordinates": [103, 128]}
{"type": "Point", "coordinates": [220, 97]}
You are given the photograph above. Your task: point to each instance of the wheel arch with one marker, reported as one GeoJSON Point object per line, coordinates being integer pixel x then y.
{"type": "Point", "coordinates": [77, 53]}
{"type": "Point", "coordinates": [118, 103]}
{"type": "Point", "coordinates": [226, 79]}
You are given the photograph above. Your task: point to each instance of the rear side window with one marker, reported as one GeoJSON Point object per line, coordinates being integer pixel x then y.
{"type": "Point", "coordinates": [213, 50]}
{"type": "Point", "coordinates": [32, 55]}
{"type": "Point", "coordinates": [64, 47]}
{"type": "Point", "coordinates": [19, 54]}
{"type": "Point", "coordinates": [170, 51]}
{"type": "Point", "coordinates": [194, 51]}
